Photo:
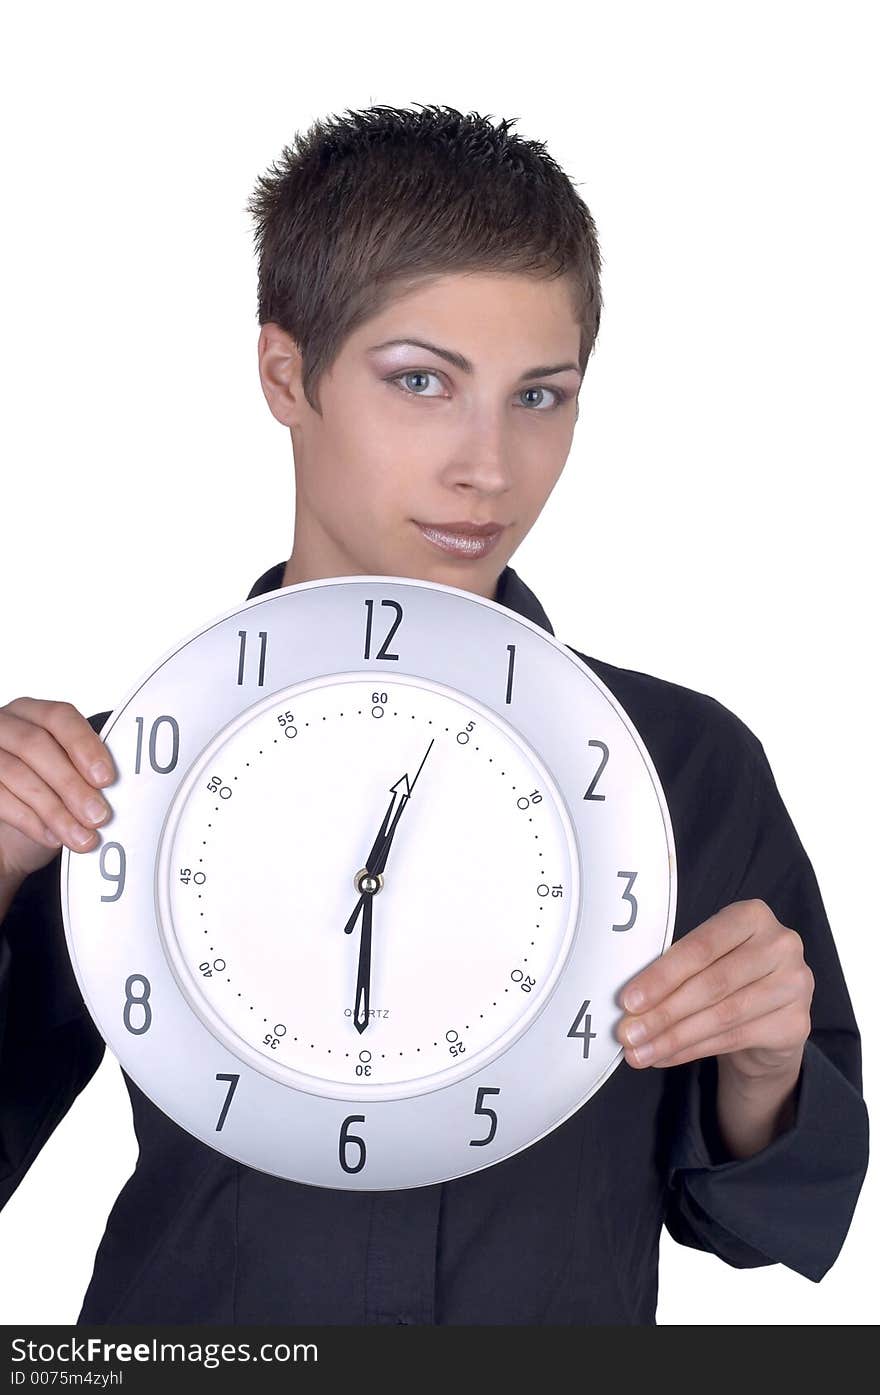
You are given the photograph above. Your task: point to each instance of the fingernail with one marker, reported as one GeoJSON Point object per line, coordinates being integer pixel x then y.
{"type": "Point", "coordinates": [644, 1053]}
{"type": "Point", "coordinates": [636, 1032]}
{"type": "Point", "coordinates": [633, 999]}
{"type": "Point", "coordinates": [100, 773]}
{"type": "Point", "coordinates": [96, 809]}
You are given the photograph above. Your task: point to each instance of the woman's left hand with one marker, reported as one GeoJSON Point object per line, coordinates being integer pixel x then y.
{"type": "Point", "coordinates": [736, 985]}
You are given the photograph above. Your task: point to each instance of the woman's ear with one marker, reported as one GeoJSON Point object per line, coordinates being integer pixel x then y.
{"type": "Point", "coordinates": [280, 365]}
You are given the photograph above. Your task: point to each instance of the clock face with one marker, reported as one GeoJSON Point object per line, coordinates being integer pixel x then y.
{"type": "Point", "coordinates": [382, 854]}
{"type": "Point", "coordinates": [257, 879]}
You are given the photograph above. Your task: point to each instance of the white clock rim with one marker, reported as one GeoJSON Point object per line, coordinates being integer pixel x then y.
{"type": "Point", "coordinates": [565, 652]}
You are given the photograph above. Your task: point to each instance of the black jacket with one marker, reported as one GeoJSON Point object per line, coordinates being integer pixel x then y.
{"type": "Point", "coordinates": [566, 1231]}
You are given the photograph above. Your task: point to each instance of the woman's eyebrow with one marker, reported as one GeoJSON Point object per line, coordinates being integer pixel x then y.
{"type": "Point", "coordinates": [542, 371]}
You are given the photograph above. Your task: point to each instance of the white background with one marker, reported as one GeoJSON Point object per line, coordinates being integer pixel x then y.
{"type": "Point", "coordinates": [715, 524]}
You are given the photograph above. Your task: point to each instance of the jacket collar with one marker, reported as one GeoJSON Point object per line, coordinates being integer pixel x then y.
{"type": "Point", "coordinates": [511, 592]}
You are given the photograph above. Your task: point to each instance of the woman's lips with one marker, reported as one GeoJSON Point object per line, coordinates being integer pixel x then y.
{"type": "Point", "coordinates": [468, 545]}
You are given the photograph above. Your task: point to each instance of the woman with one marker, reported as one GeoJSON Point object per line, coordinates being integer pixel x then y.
{"type": "Point", "coordinates": [429, 299]}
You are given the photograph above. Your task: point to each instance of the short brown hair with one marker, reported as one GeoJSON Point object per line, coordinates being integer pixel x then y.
{"type": "Point", "coordinates": [368, 204]}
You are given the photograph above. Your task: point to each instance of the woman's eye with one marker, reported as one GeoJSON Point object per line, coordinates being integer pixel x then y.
{"type": "Point", "coordinates": [551, 396]}
{"type": "Point", "coordinates": [417, 373]}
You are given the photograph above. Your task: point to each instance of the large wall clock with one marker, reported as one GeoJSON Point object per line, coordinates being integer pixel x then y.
{"type": "Point", "coordinates": [382, 854]}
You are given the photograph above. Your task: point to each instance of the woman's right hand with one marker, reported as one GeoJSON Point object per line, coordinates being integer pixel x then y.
{"type": "Point", "coordinates": [47, 781]}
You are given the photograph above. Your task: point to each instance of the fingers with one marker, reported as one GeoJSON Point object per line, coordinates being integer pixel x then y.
{"type": "Point", "coordinates": [72, 732]}
{"type": "Point", "coordinates": [21, 788]}
{"type": "Point", "coordinates": [22, 817]}
{"type": "Point", "coordinates": [732, 971]}
{"type": "Point", "coordinates": [700, 947]}
{"type": "Point", "coordinates": [47, 754]}
{"type": "Point", "coordinates": [763, 972]}
{"type": "Point", "coordinates": [729, 1021]}
{"type": "Point", "coordinates": [775, 1031]}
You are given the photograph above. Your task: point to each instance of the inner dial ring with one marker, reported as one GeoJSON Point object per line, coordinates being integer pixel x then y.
{"type": "Point", "coordinates": [473, 914]}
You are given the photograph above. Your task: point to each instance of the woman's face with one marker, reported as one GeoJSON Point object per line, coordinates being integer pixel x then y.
{"type": "Point", "coordinates": [406, 436]}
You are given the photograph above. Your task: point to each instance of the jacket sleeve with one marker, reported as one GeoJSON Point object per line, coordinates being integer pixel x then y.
{"type": "Point", "coordinates": [49, 1045]}
{"type": "Point", "coordinates": [793, 1201]}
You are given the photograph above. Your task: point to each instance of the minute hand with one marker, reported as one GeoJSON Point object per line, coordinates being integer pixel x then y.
{"type": "Point", "coordinates": [384, 845]}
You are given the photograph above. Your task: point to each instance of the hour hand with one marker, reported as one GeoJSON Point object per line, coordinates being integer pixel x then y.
{"type": "Point", "coordinates": [352, 919]}
{"type": "Point", "coordinates": [381, 836]}
{"type": "Point", "coordinates": [379, 850]}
